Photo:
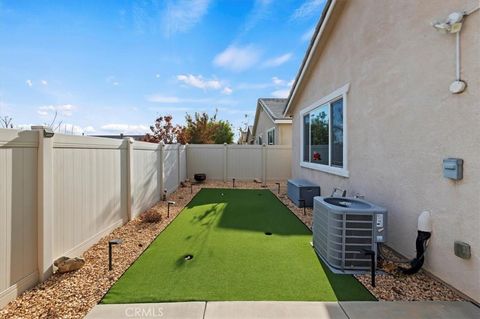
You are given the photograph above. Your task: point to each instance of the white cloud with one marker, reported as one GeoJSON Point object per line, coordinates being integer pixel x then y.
{"type": "Point", "coordinates": [307, 36]}
{"type": "Point", "coordinates": [282, 87]}
{"type": "Point", "coordinates": [278, 81]}
{"type": "Point", "coordinates": [182, 15]}
{"type": "Point", "coordinates": [89, 129]}
{"type": "Point", "coordinates": [308, 9]}
{"type": "Point", "coordinates": [111, 79]}
{"type": "Point", "coordinates": [199, 82]}
{"type": "Point", "coordinates": [165, 99]}
{"type": "Point", "coordinates": [253, 86]}
{"type": "Point", "coordinates": [44, 82]}
{"type": "Point", "coordinates": [62, 109]}
{"type": "Point", "coordinates": [125, 128]}
{"type": "Point", "coordinates": [64, 128]}
{"type": "Point", "coordinates": [277, 61]}
{"type": "Point", "coordinates": [283, 93]}
{"type": "Point", "coordinates": [260, 11]}
{"type": "Point", "coordinates": [68, 128]}
{"type": "Point", "coordinates": [158, 98]}
{"type": "Point", "coordinates": [29, 83]}
{"type": "Point", "coordinates": [227, 90]}
{"type": "Point", "coordinates": [236, 58]}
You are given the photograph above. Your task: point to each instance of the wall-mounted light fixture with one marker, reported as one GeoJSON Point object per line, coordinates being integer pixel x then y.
{"type": "Point", "coordinates": [453, 25]}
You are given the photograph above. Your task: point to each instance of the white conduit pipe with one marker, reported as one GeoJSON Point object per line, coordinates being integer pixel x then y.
{"type": "Point", "coordinates": [458, 56]}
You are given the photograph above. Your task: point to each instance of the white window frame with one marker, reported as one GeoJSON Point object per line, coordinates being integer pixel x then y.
{"type": "Point", "coordinates": [335, 95]}
{"type": "Point", "coordinates": [268, 131]}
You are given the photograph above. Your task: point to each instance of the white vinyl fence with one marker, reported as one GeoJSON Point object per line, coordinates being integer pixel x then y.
{"type": "Point", "coordinates": [242, 162]}
{"type": "Point", "coordinates": [59, 195]}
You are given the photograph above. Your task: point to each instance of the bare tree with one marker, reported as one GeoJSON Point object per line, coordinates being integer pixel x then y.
{"type": "Point", "coordinates": [54, 126]}
{"type": "Point", "coordinates": [6, 121]}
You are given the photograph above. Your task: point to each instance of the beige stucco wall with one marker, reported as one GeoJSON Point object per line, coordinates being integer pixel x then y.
{"type": "Point", "coordinates": [264, 124]}
{"type": "Point", "coordinates": [403, 121]}
{"type": "Point", "coordinates": [283, 132]}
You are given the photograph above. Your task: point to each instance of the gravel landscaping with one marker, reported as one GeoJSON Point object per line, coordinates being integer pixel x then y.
{"type": "Point", "coordinates": [72, 295]}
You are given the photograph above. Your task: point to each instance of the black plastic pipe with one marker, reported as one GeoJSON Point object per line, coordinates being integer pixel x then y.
{"type": "Point", "coordinates": [371, 253]}
{"type": "Point", "coordinates": [421, 245]}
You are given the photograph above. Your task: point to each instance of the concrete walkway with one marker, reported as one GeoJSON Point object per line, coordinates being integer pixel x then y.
{"type": "Point", "coordinates": [297, 310]}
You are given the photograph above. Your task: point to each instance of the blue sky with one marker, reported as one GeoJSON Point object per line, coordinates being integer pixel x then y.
{"type": "Point", "coordinates": [108, 67]}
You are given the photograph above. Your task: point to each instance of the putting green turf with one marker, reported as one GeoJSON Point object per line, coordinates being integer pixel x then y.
{"type": "Point", "coordinates": [233, 259]}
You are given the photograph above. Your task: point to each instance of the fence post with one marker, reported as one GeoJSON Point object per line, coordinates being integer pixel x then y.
{"type": "Point", "coordinates": [179, 165]}
{"type": "Point", "coordinates": [45, 208]}
{"type": "Point", "coordinates": [162, 175]}
{"type": "Point", "coordinates": [225, 173]}
{"type": "Point", "coordinates": [186, 162]}
{"type": "Point", "coordinates": [130, 178]}
{"type": "Point", "coordinates": [264, 164]}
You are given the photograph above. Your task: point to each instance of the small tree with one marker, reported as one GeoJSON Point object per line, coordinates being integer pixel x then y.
{"type": "Point", "coordinates": [223, 133]}
{"type": "Point", "coordinates": [164, 131]}
{"type": "Point", "coordinates": [203, 129]}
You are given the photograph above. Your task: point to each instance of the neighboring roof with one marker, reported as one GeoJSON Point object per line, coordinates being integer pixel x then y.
{"type": "Point", "coordinates": [273, 107]}
{"type": "Point", "coordinates": [311, 49]}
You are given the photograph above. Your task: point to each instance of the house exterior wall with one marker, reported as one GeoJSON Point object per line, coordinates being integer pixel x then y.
{"type": "Point", "coordinates": [263, 125]}
{"type": "Point", "coordinates": [283, 134]}
{"type": "Point", "coordinates": [403, 121]}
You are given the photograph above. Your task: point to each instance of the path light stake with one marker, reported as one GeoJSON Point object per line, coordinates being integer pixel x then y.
{"type": "Point", "coordinates": [165, 195]}
{"type": "Point", "coordinates": [191, 188]}
{"type": "Point", "coordinates": [110, 244]}
{"type": "Point", "coordinates": [303, 205]}
{"type": "Point", "coordinates": [168, 208]}
{"type": "Point", "coordinates": [233, 182]}
{"type": "Point", "coordinates": [371, 253]}
{"type": "Point", "coordinates": [278, 184]}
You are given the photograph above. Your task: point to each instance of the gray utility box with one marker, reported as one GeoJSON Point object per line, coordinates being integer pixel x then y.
{"type": "Point", "coordinates": [453, 168]}
{"type": "Point", "coordinates": [302, 192]}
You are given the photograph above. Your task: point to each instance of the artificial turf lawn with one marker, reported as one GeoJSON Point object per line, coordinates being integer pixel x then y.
{"type": "Point", "coordinates": [233, 259]}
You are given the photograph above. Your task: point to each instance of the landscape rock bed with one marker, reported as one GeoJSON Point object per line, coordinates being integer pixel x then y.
{"type": "Point", "coordinates": [392, 285]}
{"type": "Point", "coordinates": [72, 295]}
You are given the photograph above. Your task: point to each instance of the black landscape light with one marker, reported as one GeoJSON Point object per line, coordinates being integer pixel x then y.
{"type": "Point", "coordinates": [303, 205]}
{"type": "Point", "coordinates": [169, 203]}
{"type": "Point", "coordinates": [191, 188]}
{"type": "Point", "coordinates": [371, 253]}
{"type": "Point", "coordinates": [165, 195]}
{"type": "Point", "coordinates": [110, 244]}
{"type": "Point", "coordinates": [233, 182]}
{"type": "Point", "coordinates": [278, 191]}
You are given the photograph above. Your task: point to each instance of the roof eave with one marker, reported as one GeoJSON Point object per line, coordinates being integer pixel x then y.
{"type": "Point", "coordinates": [327, 10]}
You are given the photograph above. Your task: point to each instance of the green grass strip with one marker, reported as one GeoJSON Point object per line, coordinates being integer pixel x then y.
{"type": "Point", "coordinates": [233, 259]}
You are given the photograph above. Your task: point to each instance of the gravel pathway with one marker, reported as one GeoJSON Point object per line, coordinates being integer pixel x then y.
{"type": "Point", "coordinates": [72, 295]}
